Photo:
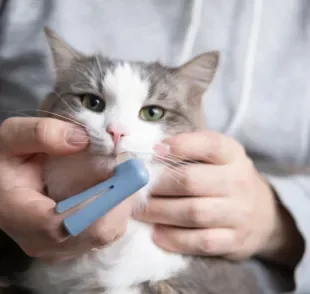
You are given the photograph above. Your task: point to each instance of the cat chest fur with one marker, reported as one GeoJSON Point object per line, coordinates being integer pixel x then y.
{"type": "Point", "coordinates": [131, 260]}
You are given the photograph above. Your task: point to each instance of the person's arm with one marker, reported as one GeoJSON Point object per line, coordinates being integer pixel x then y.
{"type": "Point", "coordinates": [293, 191]}
{"type": "Point", "coordinates": [25, 77]}
{"type": "Point", "coordinates": [231, 206]}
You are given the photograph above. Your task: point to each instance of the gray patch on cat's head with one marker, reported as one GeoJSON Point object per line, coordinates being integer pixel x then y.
{"type": "Point", "coordinates": [178, 90]}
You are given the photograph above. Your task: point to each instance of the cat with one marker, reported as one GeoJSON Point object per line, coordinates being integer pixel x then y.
{"type": "Point", "coordinates": [127, 106]}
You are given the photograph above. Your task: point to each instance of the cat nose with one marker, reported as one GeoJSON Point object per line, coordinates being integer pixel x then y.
{"type": "Point", "coordinates": [117, 131]}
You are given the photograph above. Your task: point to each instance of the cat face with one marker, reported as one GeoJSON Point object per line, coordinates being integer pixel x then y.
{"type": "Point", "coordinates": [127, 106]}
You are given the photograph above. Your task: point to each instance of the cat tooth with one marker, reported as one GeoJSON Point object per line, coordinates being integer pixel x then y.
{"type": "Point", "coordinates": [122, 157]}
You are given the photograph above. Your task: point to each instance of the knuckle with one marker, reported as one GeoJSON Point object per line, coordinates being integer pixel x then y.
{"type": "Point", "coordinates": [248, 164]}
{"type": "Point", "coordinates": [51, 232]}
{"type": "Point", "coordinates": [241, 183]}
{"type": "Point", "coordinates": [119, 234]}
{"type": "Point", "coordinates": [207, 244]}
{"type": "Point", "coordinates": [242, 180]}
{"type": "Point", "coordinates": [247, 211]}
{"type": "Point", "coordinates": [54, 236]}
{"type": "Point", "coordinates": [32, 252]}
{"type": "Point", "coordinates": [239, 148]}
{"type": "Point", "coordinates": [215, 143]}
{"type": "Point", "coordinates": [5, 132]}
{"type": "Point", "coordinates": [196, 214]}
{"type": "Point", "coordinates": [235, 255]}
{"type": "Point", "coordinates": [244, 215]}
{"type": "Point", "coordinates": [104, 237]}
{"type": "Point", "coordinates": [188, 180]}
{"type": "Point", "coordinates": [240, 239]}
{"type": "Point", "coordinates": [40, 131]}
{"type": "Point", "coordinates": [238, 249]}
{"type": "Point", "coordinates": [47, 132]}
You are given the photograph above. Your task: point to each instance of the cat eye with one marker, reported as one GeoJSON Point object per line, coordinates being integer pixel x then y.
{"type": "Point", "coordinates": [152, 113]}
{"type": "Point", "coordinates": [92, 102]}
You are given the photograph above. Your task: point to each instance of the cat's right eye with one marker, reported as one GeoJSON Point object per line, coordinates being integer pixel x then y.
{"type": "Point", "coordinates": [92, 102]}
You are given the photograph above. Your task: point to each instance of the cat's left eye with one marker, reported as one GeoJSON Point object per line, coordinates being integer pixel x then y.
{"type": "Point", "coordinates": [152, 113]}
{"type": "Point", "coordinates": [92, 102]}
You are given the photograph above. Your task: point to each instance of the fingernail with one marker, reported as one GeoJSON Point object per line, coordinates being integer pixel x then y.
{"type": "Point", "coordinates": [162, 149]}
{"type": "Point", "coordinates": [77, 136]}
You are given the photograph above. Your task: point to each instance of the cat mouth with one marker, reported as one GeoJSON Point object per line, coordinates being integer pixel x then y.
{"type": "Point", "coordinates": [110, 154]}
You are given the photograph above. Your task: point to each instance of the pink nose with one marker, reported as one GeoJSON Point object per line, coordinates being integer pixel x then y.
{"type": "Point", "coordinates": [117, 131]}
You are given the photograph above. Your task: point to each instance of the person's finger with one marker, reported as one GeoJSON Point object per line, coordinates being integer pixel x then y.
{"type": "Point", "coordinates": [58, 257]}
{"type": "Point", "coordinates": [111, 226]}
{"type": "Point", "coordinates": [212, 242]}
{"type": "Point", "coordinates": [71, 247]}
{"type": "Point", "coordinates": [207, 146]}
{"type": "Point", "coordinates": [22, 136]}
{"type": "Point", "coordinates": [69, 253]}
{"type": "Point", "coordinates": [190, 212]}
{"type": "Point", "coordinates": [34, 215]}
{"type": "Point", "coordinates": [193, 180]}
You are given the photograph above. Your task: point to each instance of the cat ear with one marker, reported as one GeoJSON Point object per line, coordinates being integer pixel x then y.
{"type": "Point", "coordinates": [199, 71]}
{"type": "Point", "coordinates": [63, 53]}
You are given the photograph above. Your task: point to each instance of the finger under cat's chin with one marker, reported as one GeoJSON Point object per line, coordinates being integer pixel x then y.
{"type": "Point", "coordinates": [161, 149]}
{"type": "Point", "coordinates": [209, 242]}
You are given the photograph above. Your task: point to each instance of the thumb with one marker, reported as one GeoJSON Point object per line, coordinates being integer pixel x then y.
{"type": "Point", "coordinates": [23, 136]}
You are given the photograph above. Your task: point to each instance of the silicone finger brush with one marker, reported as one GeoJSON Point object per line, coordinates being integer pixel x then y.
{"type": "Point", "coordinates": [130, 175]}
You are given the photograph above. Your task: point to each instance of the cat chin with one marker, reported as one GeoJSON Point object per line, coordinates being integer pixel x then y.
{"type": "Point", "coordinates": [126, 263]}
{"type": "Point", "coordinates": [67, 176]}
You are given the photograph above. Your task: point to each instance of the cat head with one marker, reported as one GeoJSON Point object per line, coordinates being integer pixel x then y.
{"type": "Point", "coordinates": [126, 105]}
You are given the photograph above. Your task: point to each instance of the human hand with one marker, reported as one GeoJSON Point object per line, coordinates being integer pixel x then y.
{"type": "Point", "coordinates": [219, 206]}
{"type": "Point", "coordinates": [27, 215]}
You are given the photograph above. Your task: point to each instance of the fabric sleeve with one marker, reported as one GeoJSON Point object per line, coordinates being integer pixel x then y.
{"type": "Point", "coordinates": [25, 76]}
{"type": "Point", "coordinates": [294, 192]}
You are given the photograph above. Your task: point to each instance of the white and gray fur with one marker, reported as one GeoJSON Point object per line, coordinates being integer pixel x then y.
{"type": "Point", "coordinates": [132, 264]}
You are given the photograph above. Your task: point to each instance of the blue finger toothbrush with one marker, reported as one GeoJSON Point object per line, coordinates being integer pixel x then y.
{"type": "Point", "coordinates": [130, 175]}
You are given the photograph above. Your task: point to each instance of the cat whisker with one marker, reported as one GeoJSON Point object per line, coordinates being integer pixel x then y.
{"type": "Point", "coordinates": [169, 157]}
{"type": "Point", "coordinates": [15, 112]}
{"type": "Point", "coordinates": [64, 101]}
{"type": "Point", "coordinates": [171, 160]}
{"type": "Point", "coordinates": [208, 159]}
{"type": "Point", "coordinates": [170, 164]}
{"type": "Point", "coordinates": [181, 159]}
{"type": "Point", "coordinates": [63, 117]}
{"type": "Point", "coordinates": [91, 132]}
{"type": "Point", "coordinates": [99, 66]}
{"type": "Point", "coordinates": [179, 175]}
{"type": "Point", "coordinates": [172, 170]}
{"type": "Point", "coordinates": [48, 149]}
